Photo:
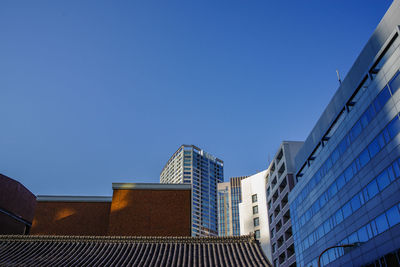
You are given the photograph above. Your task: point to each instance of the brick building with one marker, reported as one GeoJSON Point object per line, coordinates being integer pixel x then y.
{"type": "Point", "coordinates": [135, 209]}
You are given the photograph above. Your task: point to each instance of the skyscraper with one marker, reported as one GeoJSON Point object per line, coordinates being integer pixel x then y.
{"type": "Point", "coordinates": [192, 165]}
{"type": "Point", "coordinates": [229, 197]}
{"type": "Point", "coordinates": [348, 170]}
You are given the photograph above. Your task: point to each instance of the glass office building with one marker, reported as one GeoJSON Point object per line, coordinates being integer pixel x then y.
{"type": "Point", "coordinates": [348, 171]}
{"type": "Point", "coordinates": [191, 165]}
{"type": "Point", "coordinates": [229, 197]}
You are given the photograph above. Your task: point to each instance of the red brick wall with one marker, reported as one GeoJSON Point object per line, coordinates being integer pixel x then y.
{"type": "Point", "coordinates": [141, 212]}
{"type": "Point", "coordinates": [71, 218]}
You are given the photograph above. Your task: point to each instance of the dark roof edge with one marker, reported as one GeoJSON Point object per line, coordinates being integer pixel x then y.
{"type": "Point", "coordinates": [128, 239]}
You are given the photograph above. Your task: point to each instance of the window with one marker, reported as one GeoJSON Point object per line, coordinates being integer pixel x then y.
{"type": "Point", "coordinates": [394, 127]}
{"type": "Point", "coordinates": [364, 158]}
{"type": "Point", "coordinates": [362, 234]}
{"type": "Point", "coordinates": [394, 84]}
{"type": "Point", "coordinates": [340, 182]}
{"type": "Point", "coordinates": [254, 198]}
{"type": "Point", "coordinates": [257, 234]}
{"type": "Point", "coordinates": [255, 210]}
{"type": "Point", "coordinates": [355, 203]}
{"type": "Point", "coordinates": [256, 221]}
{"type": "Point", "coordinates": [339, 216]}
{"type": "Point", "coordinates": [346, 210]}
{"type": "Point", "coordinates": [381, 223]}
{"type": "Point", "coordinates": [383, 180]}
{"type": "Point", "coordinates": [372, 189]}
{"type": "Point", "coordinates": [393, 216]}
{"type": "Point", "coordinates": [374, 147]}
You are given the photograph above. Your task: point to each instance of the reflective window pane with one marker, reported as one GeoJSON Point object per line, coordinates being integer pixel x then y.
{"type": "Point", "coordinates": [372, 189]}
{"type": "Point", "coordinates": [394, 83]}
{"type": "Point", "coordinates": [362, 234]}
{"type": "Point", "coordinates": [394, 127]}
{"type": "Point", "coordinates": [355, 203]}
{"type": "Point", "coordinates": [393, 216]}
{"type": "Point", "coordinates": [339, 216]}
{"type": "Point", "coordinates": [383, 180]}
{"type": "Point", "coordinates": [364, 158]}
{"type": "Point", "coordinates": [374, 148]}
{"type": "Point", "coordinates": [346, 210]}
{"type": "Point", "coordinates": [381, 223]}
{"type": "Point", "coordinates": [353, 238]}
{"type": "Point", "coordinates": [384, 96]}
{"type": "Point", "coordinates": [340, 182]}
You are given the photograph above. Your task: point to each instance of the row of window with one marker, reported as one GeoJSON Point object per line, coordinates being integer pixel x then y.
{"type": "Point", "coordinates": [380, 224]}
{"type": "Point", "coordinates": [377, 185]}
{"type": "Point", "coordinates": [355, 131]}
{"type": "Point", "coordinates": [384, 137]}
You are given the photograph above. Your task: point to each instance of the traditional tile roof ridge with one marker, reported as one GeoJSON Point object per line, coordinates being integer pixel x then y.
{"type": "Point", "coordinates": [130, 251]}
{"type": "Point", "coordinates": [131, 239]}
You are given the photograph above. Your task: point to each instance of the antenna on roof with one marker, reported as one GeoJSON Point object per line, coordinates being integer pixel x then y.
{"type": "Point", "coordinates": [338, 77]}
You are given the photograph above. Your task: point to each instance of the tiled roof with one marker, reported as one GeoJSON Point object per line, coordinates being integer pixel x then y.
{"type": "Point", "coordinates": [130, 251]}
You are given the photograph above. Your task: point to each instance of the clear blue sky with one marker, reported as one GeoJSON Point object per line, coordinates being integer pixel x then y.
{"type": "Point", "coordinates": [95, 92]}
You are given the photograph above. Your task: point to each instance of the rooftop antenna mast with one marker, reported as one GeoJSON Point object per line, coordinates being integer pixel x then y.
{"type": "Point", "coordinates": [338, 77]}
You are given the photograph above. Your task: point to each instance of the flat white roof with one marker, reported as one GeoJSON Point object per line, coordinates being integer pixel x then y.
{"type": "Point", "coordinates": [152, 186]}
{"type": "Point", "coordinates": [46, 198]}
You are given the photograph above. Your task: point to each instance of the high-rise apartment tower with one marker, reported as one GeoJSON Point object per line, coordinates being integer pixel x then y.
{"type": "Point", "coordinates": [280, 181]}
{"type": "Point", "coordinates": [191, 165]}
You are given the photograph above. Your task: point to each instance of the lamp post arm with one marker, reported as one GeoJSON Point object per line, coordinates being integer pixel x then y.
{"type": "Point", "coordinates": [337, 246]}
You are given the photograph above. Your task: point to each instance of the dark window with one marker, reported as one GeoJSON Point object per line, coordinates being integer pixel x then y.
{"type": "Point", "coordinates": [255, 210]}
{"type": "Point", "coordinates": [254, 198]}
{"type": "Point", "coordinates": [256, 221]}
{"type": "Point", "coordinates": [257, 234]}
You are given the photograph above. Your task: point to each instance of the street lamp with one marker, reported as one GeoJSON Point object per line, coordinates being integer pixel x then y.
{"type": "Point", "coordinates": [357, 244]}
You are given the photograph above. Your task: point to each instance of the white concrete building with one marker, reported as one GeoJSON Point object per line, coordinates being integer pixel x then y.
{"type": "Point", "coordinates": [253, 213]}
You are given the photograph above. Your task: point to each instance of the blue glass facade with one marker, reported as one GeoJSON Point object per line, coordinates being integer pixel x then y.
{"type": "Point", "coordinates": [348, 186]}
